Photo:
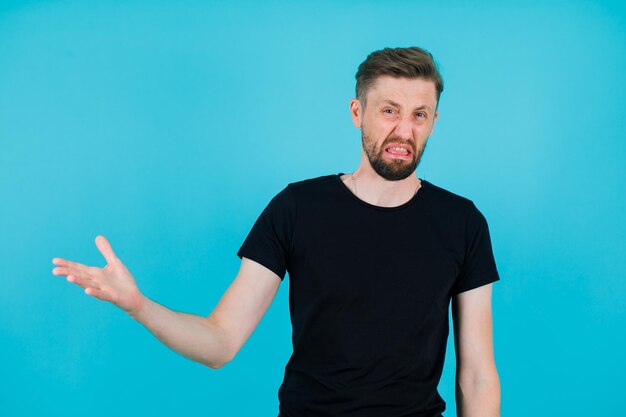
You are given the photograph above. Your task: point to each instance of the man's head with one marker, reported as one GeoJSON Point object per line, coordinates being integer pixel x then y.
{"type": "Point", "coordinates": [398, 94]}
{"type": "Point", "coordinates": [412, 62]}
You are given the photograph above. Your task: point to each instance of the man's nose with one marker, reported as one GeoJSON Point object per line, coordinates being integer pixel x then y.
{"type": "Point", "coordinates": [404, 129]}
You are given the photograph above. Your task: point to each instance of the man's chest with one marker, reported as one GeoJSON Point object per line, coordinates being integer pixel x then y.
{"type": "Point", "coordinates": [399, 261]}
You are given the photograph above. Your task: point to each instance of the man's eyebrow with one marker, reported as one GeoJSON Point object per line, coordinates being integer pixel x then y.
{"type": "Point", "coordinates": [393, 103]}
{"type": "Point", "coordinates": [423, 107]}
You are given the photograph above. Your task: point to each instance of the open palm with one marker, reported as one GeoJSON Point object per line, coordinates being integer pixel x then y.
{"type": "Point", "coordinates": [113, 283]}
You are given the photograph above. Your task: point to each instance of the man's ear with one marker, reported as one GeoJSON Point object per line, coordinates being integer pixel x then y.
{"type": "Point", "coordinates": [356, 112]}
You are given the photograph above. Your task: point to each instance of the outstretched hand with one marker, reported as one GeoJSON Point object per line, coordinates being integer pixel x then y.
{"type": "Point", "coordinates": [113, 283]}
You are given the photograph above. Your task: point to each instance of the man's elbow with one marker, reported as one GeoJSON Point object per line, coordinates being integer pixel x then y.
{"type": "Point", "coordinates": [217, 363]}
{"type": "Point", "coordinates": [223, 351]}
{"type": "Point", "coordinates": [478, 392]}
{"type": "Point", "coordinates": [476, 378]}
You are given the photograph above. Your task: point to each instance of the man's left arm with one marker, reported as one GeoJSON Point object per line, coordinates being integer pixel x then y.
{"type": "Point", "coordinates": [477, 382]}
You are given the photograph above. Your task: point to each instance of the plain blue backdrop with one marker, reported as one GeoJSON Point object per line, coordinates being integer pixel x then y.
{"type": "Point", "coordinates": [168, 126]}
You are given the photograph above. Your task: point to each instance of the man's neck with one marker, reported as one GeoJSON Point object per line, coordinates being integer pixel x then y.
{"type": "Point", "coordinates": [370, 187]}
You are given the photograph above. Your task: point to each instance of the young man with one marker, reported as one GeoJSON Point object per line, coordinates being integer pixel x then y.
{"type": "Point", "coordinates": [374, 258]}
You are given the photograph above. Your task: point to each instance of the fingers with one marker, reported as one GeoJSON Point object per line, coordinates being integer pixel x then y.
{"type": "Point", "coordinates": [72, 268]}
{"type": "Point", "coordinates": [90, 286]}
{"type": "Point", "coordinates": [63, 270]}
{"type": "Point", "coordinates": [105, 249]}
{"type": "Point", "coordinates": [85, 276]}
{"type": "Point", "coordinates": [83, 281]}
{"type": "Point", "coordinates": [67, 263]}
{"type": "Point", "coordinates": [98, 293]}
{"type": "Point", "coordinates": [80, 274]}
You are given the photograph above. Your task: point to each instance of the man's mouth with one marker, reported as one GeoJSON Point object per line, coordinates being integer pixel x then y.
{"type": "Point", "coordinates": [399, 151]}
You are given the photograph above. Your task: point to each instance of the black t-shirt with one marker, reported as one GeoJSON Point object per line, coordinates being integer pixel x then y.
{"type": "Point", "coordinates": [369, 293]}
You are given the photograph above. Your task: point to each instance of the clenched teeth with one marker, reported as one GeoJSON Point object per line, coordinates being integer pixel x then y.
{"type": "Point", "coordinates": [397, 149]}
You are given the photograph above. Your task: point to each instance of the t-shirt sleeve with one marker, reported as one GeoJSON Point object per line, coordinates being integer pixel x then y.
{"type": "Point", "coordinates": [269, 240]}
{"type": "Point", "coordinates": [479, 266]}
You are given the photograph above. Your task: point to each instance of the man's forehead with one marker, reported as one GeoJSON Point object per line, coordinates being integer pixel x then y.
{"type": "Point", "coordinates": [414, 92]}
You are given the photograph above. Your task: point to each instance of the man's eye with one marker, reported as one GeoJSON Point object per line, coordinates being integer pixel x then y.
{"type": "Point", "coordinates": [388, 111]}
{"type": "Point", "coordinates": [421, 114]}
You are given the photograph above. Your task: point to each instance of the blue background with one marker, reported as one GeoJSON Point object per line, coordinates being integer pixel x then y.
{"type": "Point", "coordinates": [167, 127]}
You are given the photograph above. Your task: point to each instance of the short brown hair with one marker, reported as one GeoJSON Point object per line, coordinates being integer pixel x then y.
{"type": "Point", "coordinates": [412, 62]}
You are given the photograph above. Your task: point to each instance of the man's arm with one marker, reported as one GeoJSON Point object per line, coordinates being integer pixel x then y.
{"type": "Point", "coordinates": [216, 339]}
{"type": "Point", "coordinates": [477, 381]}
{"type": "Point", "coordinates": [213, 340]}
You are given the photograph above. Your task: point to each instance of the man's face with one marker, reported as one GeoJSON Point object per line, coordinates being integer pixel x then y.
{"type": "Point", "coordinates": [396, 122]}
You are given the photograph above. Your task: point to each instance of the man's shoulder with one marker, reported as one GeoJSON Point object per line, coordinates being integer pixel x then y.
{"type": "Point", "coordinates": [306, 190]}
{"type": "Point", "coordinates": [313, 182]}
{"type": "Point", "coordinates": [444, 198]}
{"type": "Point", "coordinates": [310, 185]}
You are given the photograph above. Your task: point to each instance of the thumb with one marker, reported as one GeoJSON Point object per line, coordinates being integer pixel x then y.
{"type": "Point", "coordinates": [105, 249]}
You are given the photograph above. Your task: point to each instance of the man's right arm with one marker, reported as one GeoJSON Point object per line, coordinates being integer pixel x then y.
{"type": "Point", "coordinates": [216, 339]}
{"type": "Point", "coordinates": [212, 340]}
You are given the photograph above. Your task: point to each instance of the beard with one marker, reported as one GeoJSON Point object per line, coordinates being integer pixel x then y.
{"type": "Point", "coordinates": [395, 169]}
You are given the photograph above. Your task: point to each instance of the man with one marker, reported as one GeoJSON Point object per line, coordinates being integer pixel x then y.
{"type": "Point", "coordinates": [374, 259]}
